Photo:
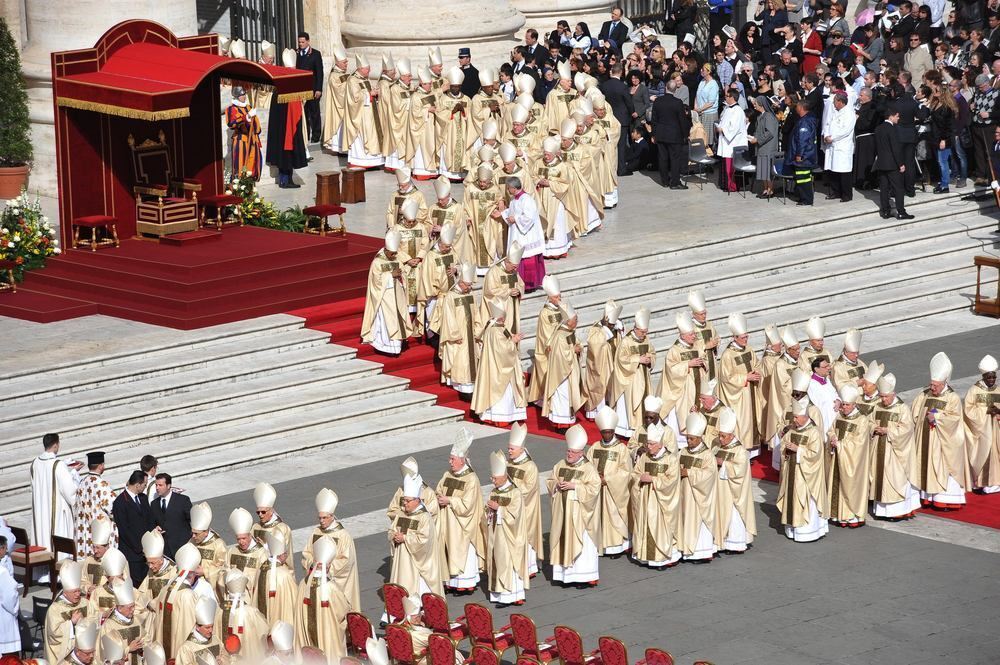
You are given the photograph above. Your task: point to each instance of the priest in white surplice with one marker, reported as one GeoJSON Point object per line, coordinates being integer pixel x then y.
{"type": "Point", "coordinates": [524, 227]}
{"type": "Point", "coordinates": [53, 492]}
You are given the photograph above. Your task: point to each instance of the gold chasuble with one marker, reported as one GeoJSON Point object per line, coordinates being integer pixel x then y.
{"type": "Point", "coordinates": [213, 555]}
{"type": "Point", "coordinates": [276, 527]}
{"type": "Point", "coordinates": [808, 354]}
{"type": "Point", "coordinates": [549, 318]}
{"type": "Point", "coordinates": [557, 107]}
{"type": "Point", "coordinates": [386, 294]}
{"type": "Point", "coordinates": [460, 328]}
{"type": "Point", "coordinates": [699, 498]}
{"type": "Point", "coordinates": [452, 132]}
{"type": "Point", "coordinates": [498, 285]}
{"type": "Point", "coordinates": [582, 187]}
{"type": "Point", "coordinates": [58, 634]}
{"type": "Point", "coordinates": [418, 556]}
{"type": "Point", "coordinates": [705, 333]}
{"type": "Point", "coordinates": [394, 215]}
{"type": "Point", "coordinates": [574, 511]}
{"type": "Point", "coordinates": [344, 565]}
{"type": "Point", "coordinates": [981, 407]}
{"type": "Point", "coordinates": [190, 650]}
{"type": "Point", "coordinates": [156, 580]}
{"type": "Point", "coordinates": [125, 630]}
{"type": "Point", "coordinates": [248, 562]}
{"type": "Point", "coordinates": [630, 379]}
{"type": "Point", "coordinates": [602, 341]}
{"type": "Point", "coordinates": [802, 476]}
{"type": "Point", "coordinates": [563, 367]}
{"type": "Point", "coordinates": [656, 507]}
{"type": "Point", "coordinates": [434, 280]}
{"type": "Point", "coordinates": [246, 622]}
{"type": "Point", "coordinates": [554, 194]}
{"type": "Point", "coordinates": [680, 384]}
{"type": "Point", "coordinates": [360, 112]}
{"type": "Point", "coordinates": [779, 397]}
{"type": "Point", "coordinates": [423, 129]}
{"type": "Point", "coordinates": [941, 448]}
{"type": "Point", "coordinates": [506, 540]}
{"type": "Point", "coordinates": [321, 616]}
{"type": "Point", "coordinates": [276, 590]}
{"type": "Point", "coordinates": [523, 472]}
{"type": "Point", "coordinates": [174, 617]}
{"type": "Point", "coordinates": [479, 202]}
{"type": "Point", "coordinates": [397, 129]}
{"type": "Point", "coordinates": [459, 524]}
{"type": "Point", "coordinates": [383, 113]}
{"type": "Point", "coordinates": [334, 106]}
{"type": "Point", "coordinates": [614, 466]}
{"type": "Point", "coordinates": [499, 370]}
{"type": "Point", "coordinates": [893, 456]}
{"type": "Point", "coordinates": [845, 372]}
{"type": "Point", "coordinates": [482, 108]}
{"type": "Point", "coordinates": [739, 394]}
{"type": "Point", "coordinates": [735, 489]}
{"type": "Point", "coordinates": [768, 361]}
{"type": "Point", "coordinates": [413, 241]}
{"type": "Point", "coordinates": [455, 213]}
{"type": "Point", "coordinates": [847, 472]}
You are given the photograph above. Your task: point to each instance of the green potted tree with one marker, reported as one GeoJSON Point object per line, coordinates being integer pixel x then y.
{"type": "Point", "coordinates": [15, 125]}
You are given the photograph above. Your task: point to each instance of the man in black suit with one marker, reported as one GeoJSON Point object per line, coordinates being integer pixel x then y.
{"type": "Point", "coordinates": [671, 128]}
{"type": "Point", "coordinates": [310, 60]}
{"type": "Point", "coordinates": [620, 99]}
{"type": "Point", "coordinates": [890, 167]}
{"type": "Point", "coordinates": [813, 95]}
{"type": "Point", "coordinates": [910, 112]}
{"type": "Point", "coordinates": [172, 513]}
{"type": "Point", "coordinates": [533, 50]}
{"type": "Point", "coordinates": [471, 85]}
{"type": "Point", "coordinates": [613, 33]}
{"type": "Point", "coordinates": [132, 516]}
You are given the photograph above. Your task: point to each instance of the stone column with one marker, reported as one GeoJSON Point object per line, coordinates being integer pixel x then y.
{"type": "Point", "coordinates": [77, 24]}
{"type": "Point", "coordinates": [408, 27]}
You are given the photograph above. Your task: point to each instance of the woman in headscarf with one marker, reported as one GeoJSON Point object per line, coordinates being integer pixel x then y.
{"type": "Point", "coordinates": [765, 140]}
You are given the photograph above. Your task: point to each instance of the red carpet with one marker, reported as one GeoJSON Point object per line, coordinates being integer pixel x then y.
{"type": "Point", "coordinates": [246, 273]}
{"type": "Point", "coordinates": [418, 364]}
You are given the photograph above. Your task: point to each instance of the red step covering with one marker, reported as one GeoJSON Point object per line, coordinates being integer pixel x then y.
{"type": "Point", "coordinates": [419, 364]}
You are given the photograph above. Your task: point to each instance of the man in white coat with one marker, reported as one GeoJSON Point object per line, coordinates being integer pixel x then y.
{"type": "Point", "coordinates": [53, 492]}
{"type": "Point", "coordinates": [838, 146]}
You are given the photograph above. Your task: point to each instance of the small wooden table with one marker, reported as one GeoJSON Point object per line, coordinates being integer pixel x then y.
{"type": "Point", "coordinates": [983, 304]}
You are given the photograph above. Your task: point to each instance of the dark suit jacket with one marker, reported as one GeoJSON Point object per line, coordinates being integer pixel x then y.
{"type": "Point", "coordinates": [176, 522]}
{"type": "Point", "coordinates": [311, 62]}
{"type": "Point", "coordinates": [540, 55]}
{"type": "Point", "coordinates": [470, 85]}
{"type": "Point", "coordinates": [133, 522]}
{"type": "Point", "coordinates": [888, 153]}
{"type": "Point", "coordinates": [909, 113]}
{"type": "Point", "coordinates": [671, 122]}
{"type": "Point", "coordinates": [814, 100]}
{"type": "Point", "coordinates": [617, 95]}
{"type": "Point", "coordinates": [618, 35]}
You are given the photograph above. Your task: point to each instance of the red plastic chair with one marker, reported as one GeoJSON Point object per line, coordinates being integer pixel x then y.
{"type": "Point", "coordinates": [657, 657]}
{"type": "Point", "coordinates": [441, 650]}
{"type": "Point", "coordinates": [483, 656]}
{"type": "Point", "coordinates": [526, 640]}
{"type": "Point", "coordinates": [481, 633]}
{"type": "Point", "coordinates": [399, 644]}
{"type": "Point", "coordinates": [359, 629]}
{"type": "Point", "coordinates": [393, 595]}
{"type": "Point", "coordinates": [436, 618]}
{"type": "Point", "coordinates": [570, 646]}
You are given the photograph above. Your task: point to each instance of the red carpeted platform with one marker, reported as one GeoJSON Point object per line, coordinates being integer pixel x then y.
{"type": "Point", "coordinates": [418, 364]}
{"type": "Point", "coordinates": [247, 272]}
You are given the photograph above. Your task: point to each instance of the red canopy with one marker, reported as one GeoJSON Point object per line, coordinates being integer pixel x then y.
{"type": "Point", "coordinates": [139, 69]}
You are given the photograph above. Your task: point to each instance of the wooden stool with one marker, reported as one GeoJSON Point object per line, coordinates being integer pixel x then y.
{"type": "Point", "coordinates": [984, 305]}
{"type": "Point", "coordinates": [320, 214]}
{"type": "Point", "coordinates": [95, 222]}
{"type": "Point", "coordinates": [328, 188]}
{"type": "Point", "coordinates": [354, 185]}
{"type": "Point", "coordinates": [7, 269]}
{"type": "Point", "coordinates": [220, 202]}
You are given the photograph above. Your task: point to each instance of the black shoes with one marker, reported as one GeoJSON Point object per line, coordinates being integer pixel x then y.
{"type": "Point", "coordinates": [680, 186]}
{"type": "Point", "coordinates": [940, 190]}
{"type": "Point", "coordinates": [904, 215]}
{"type": "Point", "coordinates": [884, 215]}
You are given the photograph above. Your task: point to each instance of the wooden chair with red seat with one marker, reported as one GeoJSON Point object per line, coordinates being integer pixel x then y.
{"type": "Point", "coordinates": [657, 657]}
{"type": "Point", "coordinates": [613, 652]}
{"type": "Point", "coordinates": [319, 214]}
{"type": "Point", "coordinates": [570, 646]}
{"type": "Point", "coordinates": [525, 660]}
{"type": "Point", "coordinates": [359, 629]}
{"type": "Point", "coordinates": [483, 655]}
{"type": "Point", "coordinates": [441, 650]}
{"type": "Point", "coordinates": [393, 595]}
{"type": "Point", "coordinates": [400, 645]}
{"type": "Point", "coordinates": [158, 211]}
{"type": "Point", "coordinates": [95, 223]}
{"type": "Point", "coordinates": [436, 618]}
{"type": "Point", "coordinates": [7, 270]}
{"type": "Point", "coordinates": [526, 640]}
{"type": "Point", "coordinates": [481, 632]}
{"type": "Point", "coordinates": [30, 557]}
{"type": "Point", "coordinates": [63, 545]}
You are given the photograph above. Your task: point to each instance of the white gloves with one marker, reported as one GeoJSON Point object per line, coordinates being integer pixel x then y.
{"type": "Point", "coordinates": [252, 113]}
{"type": "Point", "coordinates": [995, 185]}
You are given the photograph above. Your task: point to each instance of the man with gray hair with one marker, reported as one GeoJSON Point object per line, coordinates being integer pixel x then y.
{"type": "Point", "coordinates": [985, 116]}
{"type": "Point", "coordinates": [523, 227]}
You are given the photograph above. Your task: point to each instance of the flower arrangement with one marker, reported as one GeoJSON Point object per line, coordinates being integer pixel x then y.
{"type": "Point", "coordinates": [26, 238]}
{"type": "Point", "coordinates": [259, 212]}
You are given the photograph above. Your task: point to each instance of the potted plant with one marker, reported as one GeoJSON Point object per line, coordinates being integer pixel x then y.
{"type": "Point", "coordinates": [15, 126]}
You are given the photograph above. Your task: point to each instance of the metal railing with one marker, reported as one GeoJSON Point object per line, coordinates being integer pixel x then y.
{"type": "Point", "coordinates": [277, 21]}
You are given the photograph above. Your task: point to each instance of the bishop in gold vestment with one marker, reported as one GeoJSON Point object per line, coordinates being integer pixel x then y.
{"type": "Point", "coordinates": [459, 522]}
{"type": "Point", "coordinates": [175, 606]}
{"type": "Point", "coordinates": [802, 498]}
{"type": "Point", "coordinates": [67, 610]}
{"type": "Point", "coordinates": [655, 495]}
{"type": "Point", "coordinates": [574, 488]}
{"type": "Point", "coordinates": [506, 537]}
{"type": "Point", "coordinates": [362, 133]}
{"type": "Point", "coordinates": [559, 99]}
{"type": "Point", "coordinates": [739, 385]}
{"type": "Point", "coordinates": [894, 493]}
{"type": "Point", "coordinates": [614, 466]}
{"type": "Point", "coordinates": [737, 517]}
{"type": "Point", "coordinates": [816, 347]}
{"type": "Point", "coordinates": [335, 103]}
{"type": "Point", "coordinates": [203, 637]}
{"type": "Point", "coordinates": [345, 564]}
{"type": "Point", "coordinates": [238, 616]}
{"type": "Point", "coordinates": [603, 338]}
{"type": "Point", "coordinates": [276, 584]}
{"type": "Point", "coordinates": [630, 380]}
{"type": "Point", "coordinates": [437, 275]}
{"type": "Point", "coordinates": [480, 201]}
{"type": "Point", "coordinates": [982, 423]}
{"type": "Point", "coordinates": [942, 459]}
{"type": "Point", "coordinates": [523, 472]}
{"type": "Point", "coordinates": [422, 140]}
{"type": "Point", "coordinates": [417, 562]}
{"type": "Point", "coordinates": [699, 536]}
{"type": "Point", "coordinates": [269, 522]}
{"type": "Point", "coordinates": [453, 127]}
{"type": "Point", "coordinates": [561, 398]}
{"type": "Point", "coordinates": [502, 283]}
{"type": "Point", "coordinates": [460, 329]}
{"type": "Point", "coordinates": [499, 396]}
{"type": "Point", "coordinates": [413, 241]}
{"type": "Point", "coordinates": [549, 318]}
{"type": "Point", "coordinates": [847, 472]}
{"type": "Point", "coordinates": [406, 191]}
{"type": "Point", "coordinates": [92, 573]}
{"type": "Point", "coordinates": [321, 607]}
{"type": "Point", "coordinates": [684, 369]}
{"type": "Point", "coordinates": [127, 625]}
{"type": "Point", "coordinates": [386, 320]}
{"type": "Point", "coordinates": [247, 555]}
{"type": "Point", "coordinates": [207, 541]}
{"type": "Point", "coordinates": [552, 189]}
{"type": "Point", "coordinates": [849, 368]}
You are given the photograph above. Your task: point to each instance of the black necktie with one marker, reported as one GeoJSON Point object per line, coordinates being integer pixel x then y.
{"type": "Point", "coordinates": [138, 504]}
{"type": "Point", "coordinates": [163, 504]}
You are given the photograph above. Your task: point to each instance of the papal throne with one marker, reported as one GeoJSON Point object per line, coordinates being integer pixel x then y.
{"type": "Point", "coordinates": [161, 207]}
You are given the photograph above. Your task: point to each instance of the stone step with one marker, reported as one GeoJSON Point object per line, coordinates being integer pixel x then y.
{"type": "Point", "coordinates": [156, 342]}
{"type": "Point", "coordinates": [190, 446]}
{"type": "Point", "coordinates": [223, 356]}
{"type": "Point", "coordinates": [337, 381]}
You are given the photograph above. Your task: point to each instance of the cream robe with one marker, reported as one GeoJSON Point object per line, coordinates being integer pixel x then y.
{"type": "Point", "coordinates": [155, 581]}
{"type": "Point", "coordinates": [321, 617]}
{"type": "Point", "coordinates": [53, 493]}
{"type": "Point", "coordinates": [237, 617]}
{"type": "Point", "coordinates": [847, 471]}
{"type": "Point", "coordinates": [704, 334]}
{"type": "Point", "coordinates": [433, 282]}
{"type": "Point", "coordinates": [459, 524]}
{"type": "Point", "coordinates": [574, 512]}
{"type": "Point", "coordinates": [941, 450]}
{"type": "Point", "coordinates": [779, 397]}
{"type": "Point", "coordinates": [92, 574]}
{"type": "Point", "coordinates": [802, 476]}
{"type": "Point", "coordinates": [386, 295]}
{"type": "Point", "coordinates": [563, 368]}
{"type": "Point", "coordinates": [276, 591]}
{"type": "Point", "coordinates": [711, 422]}
{"type": "Point", "coordinates": [455, 213]}
{"type": "Point", "coordinates": [499, 371]}
{"type": "Point", "coordinates": [656, 508]}
{"type": "Point", "coordinates": [614, 466]}
{"type": "Point", "coordinates": [417, 563]}
{"type": "Point", "coordinates": [102, 600]}
{"type": "Point", "coordinates": [680, 384]}
{"type": "Point", "coordinates": [557, 107]}
{"type": "Point", "coordinates": [249, 562]}
{"type": "Point", "coordinates": [554, 201]}
{"type": "Point", "coordinates": [59, 635]}
{"type": "Point", "coordinates": [602, 342]}
{"type": "Point", "coordinates": [452, 133]}
{"type": "Point", "coordinates": [528, 145]}
{"type": "Point", "coordinates": [278, 526]}
{"type": "Point", "coordinates": [174, 617]}
{"type": "Point", "coordinates": [768, 361]}
{"type": "Point", "coordinates": [187, 653]}
{"type": "Point", "coordinates": [844, 372]}
{"type": "Point", "coordinates": [893, 464]}
{"type": "Point", "coordinates": [699, 501]}
{"type": "Point", "coordinates": [422, 136]}
{"type": "Point", "coordinates": [612, 131]}
{"type": "Point", "coordinates": [506, 542]}
{"type": "Point", "coordinates": [807, 355]}
{"type": "Point", "coordinates": [481, 109]}
{"type": "Point", "coordinates": [396, 201]}
{"type": "Point", "coordinates": [524, 474]}
{"type": "Point", "coordinates": [460, 328]}
{"type": "Point", "coordinates": [334, 109]}
{"type": "Point", "coordinates": [630, 381]}
{"type": "Point", "coordinates": [384, 115]}
{"type": "Point", "coordinates": [400, 97]}
{"type": "Point", "coordinates": [735, 490]}
{"type": "Point", "coordinates": [549, 319]}
{"type": "Point", "coordinates": [414, 240]}
{"type": "Point", "coordinates": [740, 395]}
{"type": "Point", "coordinates": [344, 566]}
{"type": "Point", "coordinates": [124, 631]}
{"type": "Point", "coordinates": [588, 208]}
{"type": "Point", "coordinates": [360, 118]}
{"type": "Point", "coordinates": [498, 284]}
{"type": "Point", "coordinates": [213, 555]}
{"type": "Point", "coordinates": [94, 497]}
{"type": "Point", "coordinates": [983, 433]}
{"type": "Point", "coordinates": [486, 232]}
